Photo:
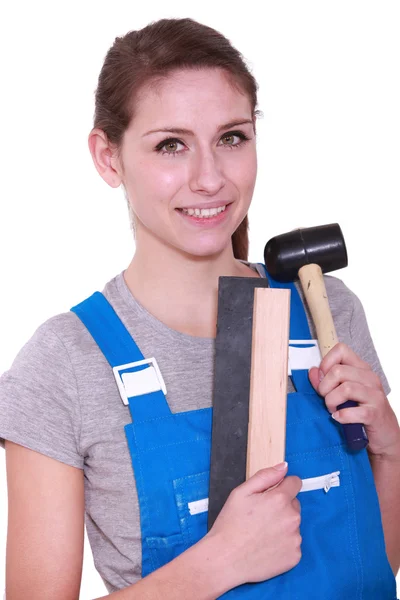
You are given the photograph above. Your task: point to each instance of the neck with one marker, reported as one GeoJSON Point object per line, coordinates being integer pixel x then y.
{"type": "Point", "coordinates": [179, 289]}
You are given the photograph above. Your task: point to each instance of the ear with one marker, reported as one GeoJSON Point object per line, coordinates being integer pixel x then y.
{"type": "Point", "coordinates": [104, 156]}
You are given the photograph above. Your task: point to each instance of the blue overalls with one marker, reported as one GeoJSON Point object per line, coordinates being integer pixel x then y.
{"type": "Point", "coordinates": [343, 552]}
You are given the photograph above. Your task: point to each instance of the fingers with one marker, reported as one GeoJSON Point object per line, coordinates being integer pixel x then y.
{"type": "Point", "coordinates": [341, 353]}
{"type": "Point", "coordinates": [350, 390]}
{"type": "Point", "coordinates": [296, 505]}
{"type": "Point", "coordinates": [369, 414]}
{"type": "Point", "coordinates": [264, 479]}
{"type": "Point", "coordinates": [339, 374]}
{"type": "Point", "coordinates": [267, 480]}
{"type": "Point", "coordinates": [344, 376]}
{"type": "Point", "coordinates": [291, 486]}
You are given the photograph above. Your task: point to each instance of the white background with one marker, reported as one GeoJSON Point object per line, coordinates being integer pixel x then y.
{"type": "Point", "coordinates": [328, 149]}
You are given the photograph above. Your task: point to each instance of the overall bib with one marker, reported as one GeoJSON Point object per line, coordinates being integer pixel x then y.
{"type": "Point", "coordinates": [343, 551]}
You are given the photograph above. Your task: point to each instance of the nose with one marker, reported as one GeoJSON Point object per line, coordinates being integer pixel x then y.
{"type": "Point", "coordinates": [206, 174]}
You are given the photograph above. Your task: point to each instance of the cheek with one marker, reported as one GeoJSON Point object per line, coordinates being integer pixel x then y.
{"type": "Point", "coordinates": [244, 173]}
{"type": "Point", "coordinates": [165, 175]}
{"type": "Point", "coordinates": [155, 183]}
{"type": "Point", "coordinates": [170, 179]}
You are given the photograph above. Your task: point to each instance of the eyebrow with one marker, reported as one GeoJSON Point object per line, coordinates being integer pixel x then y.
{"type": "Point", "coordinates": [182, 131]}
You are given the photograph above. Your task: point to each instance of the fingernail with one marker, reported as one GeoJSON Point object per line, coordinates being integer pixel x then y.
{"type": "Point", "coordinates": [281, 467]}
{"type": "Point", "coordinates": [335, 416]}
{"type": "Point", "coordinates": [320, 375]}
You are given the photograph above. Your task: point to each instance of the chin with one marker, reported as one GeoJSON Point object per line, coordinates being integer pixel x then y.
{"type": "Point", "coordinates": [205, 250]}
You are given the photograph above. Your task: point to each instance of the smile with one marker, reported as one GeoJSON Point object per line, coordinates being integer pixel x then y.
{"type": "Point", "coordinates": [205, 213]}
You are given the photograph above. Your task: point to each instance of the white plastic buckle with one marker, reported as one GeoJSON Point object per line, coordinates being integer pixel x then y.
{"type": "Point", "coordinates": [138, 383]}
{"type": "Point", "coordinates": [303, 358]}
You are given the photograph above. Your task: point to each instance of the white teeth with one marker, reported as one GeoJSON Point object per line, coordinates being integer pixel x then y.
{"type": "Point", "coordinates": [205, 213]}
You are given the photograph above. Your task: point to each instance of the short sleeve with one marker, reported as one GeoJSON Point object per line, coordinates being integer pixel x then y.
{"type": "Point", "coordinates": [351, 324]}
{"type": "Point", "coordinates": [39, 403]}
{"type": "Point", "coordinates": [362, 341]}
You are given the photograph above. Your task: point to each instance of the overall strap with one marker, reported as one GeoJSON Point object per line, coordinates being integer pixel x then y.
{"type": "Point", "coordinates": [299, 329]}
{"type": "Point", "coordinates": [120, 350]}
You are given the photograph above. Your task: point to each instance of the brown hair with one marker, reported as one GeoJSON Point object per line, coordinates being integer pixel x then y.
{"type": "Point", "coordinates": [147, 56]}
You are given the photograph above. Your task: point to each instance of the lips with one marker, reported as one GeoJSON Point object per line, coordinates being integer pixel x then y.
{"type": "Point", "coordinates": [204, 213]}
{"type": "Point", "coordinates": [200, 207]}
{"type": "Point", "coordinates": [206, 219]}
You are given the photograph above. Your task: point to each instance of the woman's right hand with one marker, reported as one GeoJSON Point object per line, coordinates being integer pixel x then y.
{"type": "Point", "coordinates": [255, 537]}
{"type": "Point", "coordinates": [258, 528]}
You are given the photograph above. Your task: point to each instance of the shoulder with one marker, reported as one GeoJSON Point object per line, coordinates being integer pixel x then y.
{"type": "Point", "coordinates": [345, 307]}
{"type": "Point", "coordinates": [350, 322]}
{"type": "Point", "coordinates": [64, 335]}
{"type": "Point", "coordinates": [56, 349]}
{"type": "Point", "coordinates": [39, 398]}
{"type": "Point", "coordinates": [52, 344]}
{"type": "Point", "coordinates": [338, 291]}
{"type": "Point", "coordinates": [342, 300]}
{"type": "Point", "coordinates": [347, 311]}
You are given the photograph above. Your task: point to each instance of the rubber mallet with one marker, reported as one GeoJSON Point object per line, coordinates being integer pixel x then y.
{"type": "Point", "coordinates": [250, 384]}
{"type": "Point", "coordinates": [307, 254]}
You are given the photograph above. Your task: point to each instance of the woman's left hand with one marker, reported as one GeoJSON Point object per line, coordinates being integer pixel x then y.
{"type": "Point", "coordinates": [343, 376]}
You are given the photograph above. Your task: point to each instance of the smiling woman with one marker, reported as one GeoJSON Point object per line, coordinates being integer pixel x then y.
{"type": "Point", "coordinates": [209, 166]}
{"type": "Point", "coordinates": [175, 126]}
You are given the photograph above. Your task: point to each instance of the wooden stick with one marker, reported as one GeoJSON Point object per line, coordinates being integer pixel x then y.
{"type": "Point", "coordinates": [312, 282]}
{"type": "Point", "coordinates": [268, 379]}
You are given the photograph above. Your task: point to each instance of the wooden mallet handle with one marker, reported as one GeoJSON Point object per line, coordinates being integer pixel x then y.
{"type": "Point", "coordinates": [313, 285]}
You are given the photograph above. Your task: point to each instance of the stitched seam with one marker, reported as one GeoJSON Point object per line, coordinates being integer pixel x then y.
{"type": "Point", "coordinates": [142, 505]}
{"type": "Point", "coordinates": [199, 439]}
{"type": "Point", "coordinates": [306, 420]}
{"type": "Point", "coordinates": [183, 414]}
{"type": "Point", "coordinates": [200, 476]}
{"type": "Point", "coordinates": [329, 450]}
{"type": "Point", "coordinates": [171, 415]}
{"type": "Point", "coordinates": [185, 523]}
{"type": "Point", "coordinates": [179, 497]}
{"type": "Point", "coordinates": [351, 519]}
{"type": "Point", "coordinates": [78, 441]}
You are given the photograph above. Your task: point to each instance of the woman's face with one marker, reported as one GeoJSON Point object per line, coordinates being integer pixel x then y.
{"type": "Point", "coordinates": [185, 157]}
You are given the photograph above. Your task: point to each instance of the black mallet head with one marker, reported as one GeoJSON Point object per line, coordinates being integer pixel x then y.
{"type": "Point", "coordinates": [324, 245]}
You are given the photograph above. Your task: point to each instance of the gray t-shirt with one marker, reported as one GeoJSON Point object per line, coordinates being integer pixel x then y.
{"type": "Point", "coordinates": [60, 398]}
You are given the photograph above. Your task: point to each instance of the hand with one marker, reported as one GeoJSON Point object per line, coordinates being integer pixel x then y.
{"type": "Point", "coordinates": [343, 376]}
{"type": "Point", "coordinates": [258, 527]}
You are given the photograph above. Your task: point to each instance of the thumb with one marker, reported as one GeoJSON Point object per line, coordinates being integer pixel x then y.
{"type": "Point", "coordinates": [265, 478]}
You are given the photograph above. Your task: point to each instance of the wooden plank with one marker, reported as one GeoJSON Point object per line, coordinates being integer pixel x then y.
{"type": "Point", "coordinates": [268, 379]}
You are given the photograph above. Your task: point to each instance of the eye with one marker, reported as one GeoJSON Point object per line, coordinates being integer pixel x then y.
{"type": "Point", "coordinates": [169, 145]}
{"type": "Point", "coordinates": [231, 135]}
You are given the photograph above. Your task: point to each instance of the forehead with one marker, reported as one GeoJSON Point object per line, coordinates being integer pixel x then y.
{"type": "Point", "coordinates": [206, 94]}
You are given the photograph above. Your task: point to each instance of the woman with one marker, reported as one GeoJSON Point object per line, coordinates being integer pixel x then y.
{"type": "Point", "coordinates": [175, 124]}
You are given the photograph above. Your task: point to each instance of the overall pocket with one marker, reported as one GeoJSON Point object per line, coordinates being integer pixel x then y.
{"type": "Point", "coordinates": [191, 498]}
{"type": "Point", "coordinates": [158, 551]}
{"type": "Point", "coordinates": [191, 494]}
